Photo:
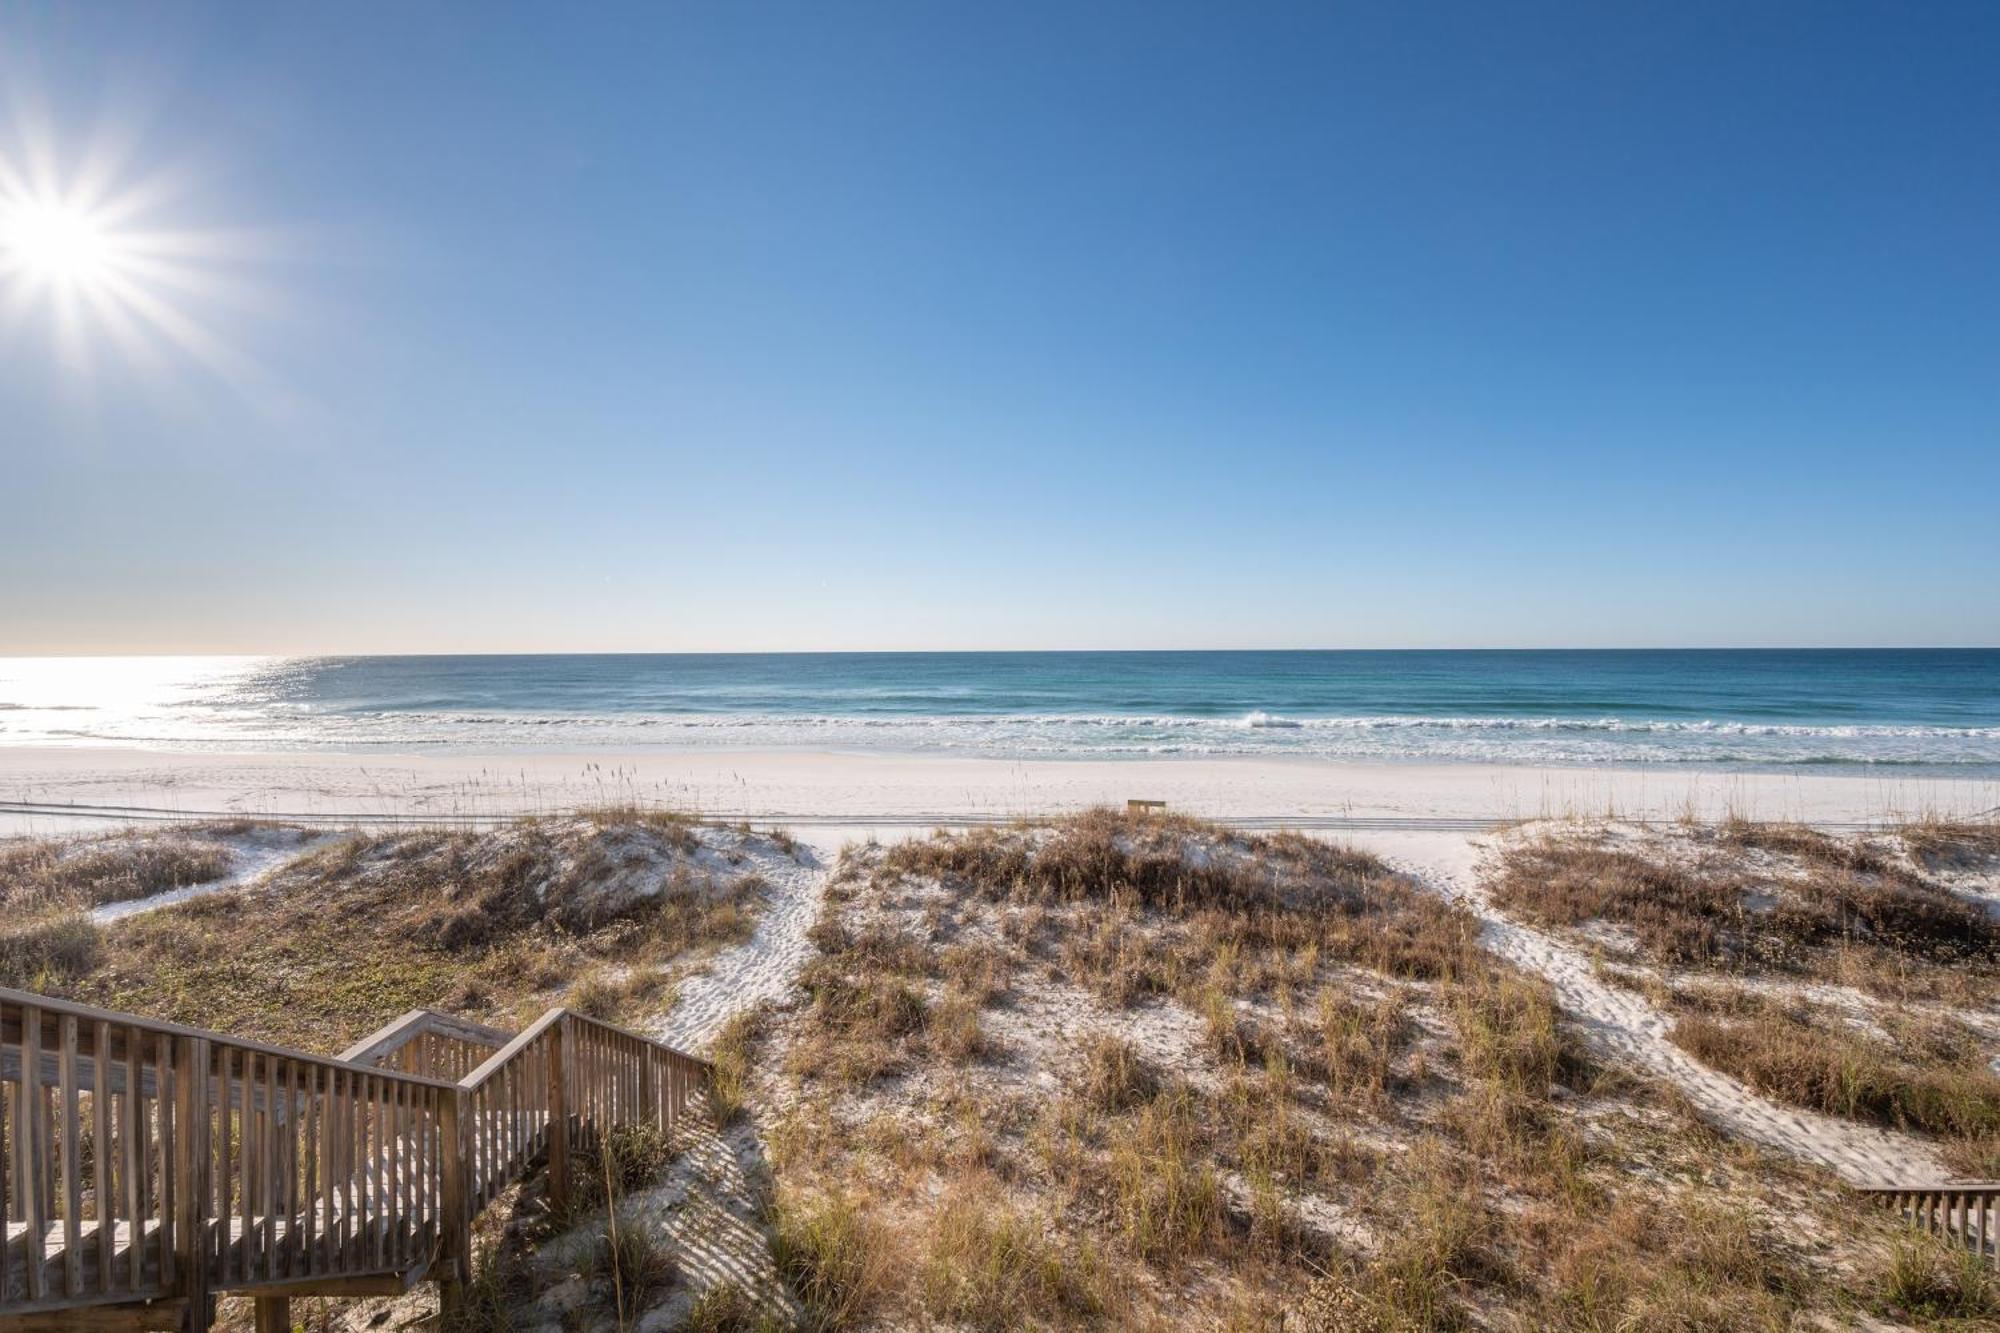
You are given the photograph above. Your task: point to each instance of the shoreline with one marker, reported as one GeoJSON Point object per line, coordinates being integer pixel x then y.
{"type": "Point", "coordinates": [45, 789]}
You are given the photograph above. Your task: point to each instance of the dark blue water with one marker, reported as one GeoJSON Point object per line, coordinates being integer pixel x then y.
{"type": "Point", "coordinates": [1931, 707]}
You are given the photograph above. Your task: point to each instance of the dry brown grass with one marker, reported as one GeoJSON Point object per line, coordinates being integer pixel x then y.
{"type": "Point", "coordinates": [48, 951]}
{"type": "Point", "coordinates": [1776, 898]}
{"type": "Point", "coordinates": [1939, 842]}
{"type": "Point", "coordinates": [1930, 1076]}
{"type": "Point", "coordinates": [1233, 1080]}
{"type": "Point", "coordinates": [49, 885]}
{"type": "Point", "coordinates": [86, 872]}
{"type": "Point", "coordinates": [495, 925]}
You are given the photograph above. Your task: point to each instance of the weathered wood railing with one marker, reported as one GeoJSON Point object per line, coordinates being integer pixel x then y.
{"type": "Point", "coordinates": [146, 1165]}
{"type": "Point", "coordinates": [1968, 1214]}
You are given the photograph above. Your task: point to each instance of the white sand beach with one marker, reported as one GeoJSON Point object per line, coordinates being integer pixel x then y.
{"type": "Point", "coordinates": [51, 789]}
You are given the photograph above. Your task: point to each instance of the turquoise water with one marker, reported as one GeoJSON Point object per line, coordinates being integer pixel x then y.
{"type": "Point", "coordinates": [1934, 708]}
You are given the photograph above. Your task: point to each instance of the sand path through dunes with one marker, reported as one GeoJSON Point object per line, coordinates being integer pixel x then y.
{"type": "Point", "coordinates": [1622, 1023]}
{"type": "Point", "coordinates": [711, 1203]}
{"type": "Point", "coordinates": [252, 856]}
{"type": "Point", "coordinates": [763, 968]}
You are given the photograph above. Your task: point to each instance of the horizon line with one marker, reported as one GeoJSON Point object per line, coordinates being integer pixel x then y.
{"type": "Point", "coordinates": [1019, 652]}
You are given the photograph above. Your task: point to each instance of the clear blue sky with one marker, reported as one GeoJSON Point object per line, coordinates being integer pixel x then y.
{"type": "Point", "coordinates": [1015, 325]}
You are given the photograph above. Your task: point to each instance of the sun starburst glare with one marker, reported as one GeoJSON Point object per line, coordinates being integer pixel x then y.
{"type": "Point", "coordinates": [93, 260]}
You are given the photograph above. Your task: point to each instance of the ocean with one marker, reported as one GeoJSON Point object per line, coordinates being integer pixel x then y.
{"type": "Point", "coordinates": [1931, 709]}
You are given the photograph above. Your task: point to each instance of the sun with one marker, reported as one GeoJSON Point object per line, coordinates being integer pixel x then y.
{"type": "Point", "coordinates": [97, 258]}
{"type": "Point", "coordinates": [56, 243]}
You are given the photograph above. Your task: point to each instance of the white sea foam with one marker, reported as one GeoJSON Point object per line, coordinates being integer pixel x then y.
{"type": "Point", "coordinates": [1585, 740]}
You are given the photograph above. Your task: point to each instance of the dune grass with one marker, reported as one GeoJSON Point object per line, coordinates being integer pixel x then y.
{"type": "Point", "coordinates": [1232, 1081]}
{"type": "Point", "coordinates": [108, 868]}
{"type": "Point", "coordinates": [1925, 1075]}
{"type": "Point", "coordinates": [495, 925]}
{"type": "Point", "coordinates": [1760, 898]}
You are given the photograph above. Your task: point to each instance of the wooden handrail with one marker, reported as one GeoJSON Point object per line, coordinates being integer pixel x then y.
{"type": "Point", "coordinates": [427, 1042]}
{"type": "Point", "coordinates": [143, 1161]}
{"type": "Point", "coordinates": [12, 1002]}
{"type": "Point", "coordinates": [386, 1040]}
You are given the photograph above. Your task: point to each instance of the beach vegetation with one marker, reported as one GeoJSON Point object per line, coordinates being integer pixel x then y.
{"type": "Point", "coordinates": [1759, 899]}
{"type": "Point", "coordinates": [111, 867]}
{"type": "Point", "coordinates": [1237, 1080]}
{"type": "Point", "coordinates": [494, 924]}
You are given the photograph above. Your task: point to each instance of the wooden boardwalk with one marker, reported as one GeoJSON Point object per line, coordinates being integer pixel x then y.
{"type": "Point", "coordinates": [145, 1166]}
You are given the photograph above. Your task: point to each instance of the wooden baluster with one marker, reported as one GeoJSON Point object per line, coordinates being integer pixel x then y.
{"type": "Point", "coordinates": [538, 1094]}
{"type": "Point", "coordinates": [166, 1106]}
{"type": "Point", "coordinates": [353, 1125]}
{"type": "Point", "coordinates": [72, 1181]}
{"type": "Point", "coordinates": [329, 1169]}
{"type": "Point", "coordinates": [385, 1146]}
{"type": "Point", "coordinates": [593, 1093]}
{"type": "Point", "coordinates": [292, 1126]}
{"type": "Point", "coordinates": [102, 1194]}
{"type": "Point", "coordinates": [377, 1211]}
{"type": "Point", "coordinates": [269, 1159]}
{"type": "Point", "coordinates": [393, 1112]}
{"type": "Point", "coordinates": [558, 1096]}
{"type": "Point", "coordinates": [454, 1209]}
{"type": "Point", "coordinates": [191, 1157]}
{"type": "Point", "coordinates": [314, 1173]}
{"type": "Point", "coordinates": [413, 1166]}
{"type": "Point", "coordinates": [341, 1108]}
{"type": "Point", "coordinates": [425, 1124]}
{"type": "Point", "coordinates": [387, 1111]}
{"type": "Point", "coordinates": [517, 1087]}
{"type": "Point", "coordinates": [517, 1100]}
{"type": "Point", "coordinates": [46, 1144]}
{"type": "Point", "coordinates": [420, 1163]}
{"type": "Point", "coordinates": [135, 1157]}
{"type": "Point", "coordinates": [222, 1207]}
{"type": "Point", "coordinates": [397, 1148]}
{"type": "Point", "coordinates": [247, 1158]}
{"type": "Point", "coordinates": [440, 1154]}
{"type": "Point", "coordinates": [364, 1172]}
{"type": "Point", "coordinates": [482, 1129]}
{"type": "Point", "coordinates": [27, 1129]}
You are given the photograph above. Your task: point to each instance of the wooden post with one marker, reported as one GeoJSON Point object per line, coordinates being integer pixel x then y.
{"type": "Point", "coordinates": [196, 1189]}
{"type": "Point", "coordinates": [455, 1211]}
{"type": "Point", "coordinates": [274, 1314]}
{"type": "Point", "coordinates": [558, 1116]}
